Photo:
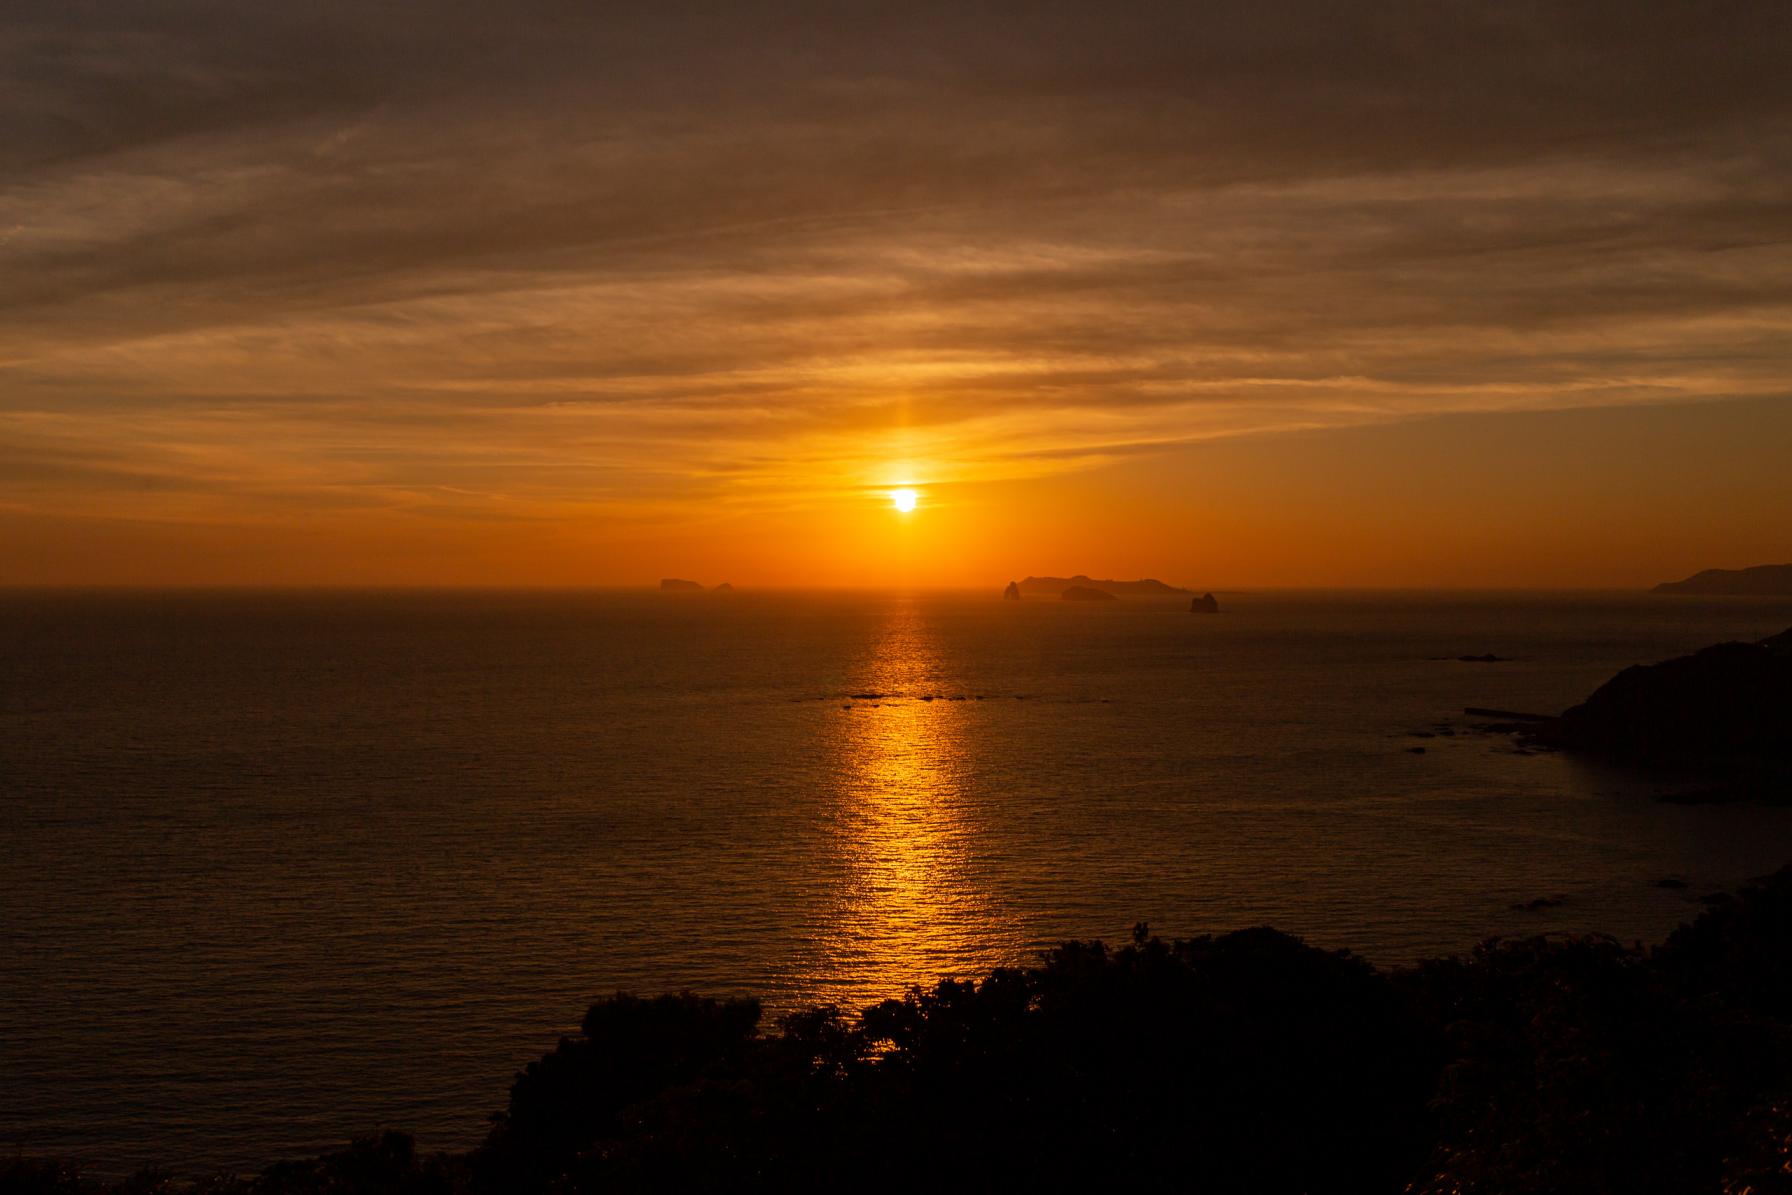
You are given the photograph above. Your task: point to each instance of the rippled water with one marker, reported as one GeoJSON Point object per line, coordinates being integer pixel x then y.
{"type": "Point", "coordinates": [279, 868]}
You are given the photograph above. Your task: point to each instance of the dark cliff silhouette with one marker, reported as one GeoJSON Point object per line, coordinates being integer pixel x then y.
{"type": "Point", "coordinates": [1205, 604]}
{"type": "Point", "coordinates": [1053, 586]}
{"type": "Point", "coordinates": [1246, 1062]}
{"type": "Point", "coordinates": [678, 585]}
{"type": "Point", "coordinates": [1763, 580]}
{"type": "Point", "coordinates": [1728, 701]}
{"type": "Point", "coordinates": [1087, 593]}
{"type": "Point", "coordinates": [1012, 593]}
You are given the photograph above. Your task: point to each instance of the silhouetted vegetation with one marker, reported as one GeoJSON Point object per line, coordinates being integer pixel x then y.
{"type": "Point", "coordinates": [1247, 1062]}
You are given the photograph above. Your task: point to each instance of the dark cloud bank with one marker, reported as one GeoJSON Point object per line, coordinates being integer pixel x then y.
{"type": "Point", "coordinates": [1195, 219]}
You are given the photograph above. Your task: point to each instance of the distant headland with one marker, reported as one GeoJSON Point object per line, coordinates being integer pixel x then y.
{"type": "Point", "coordinates": [1763, 580]}
{"type": "Point", "coordinates": [1055, 586]}
{"type": "Point", "coordinates": [679, 585]}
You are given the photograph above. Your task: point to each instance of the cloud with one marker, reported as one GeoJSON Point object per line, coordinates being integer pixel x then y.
{"type": "Point", "coordinates": [540, 257]}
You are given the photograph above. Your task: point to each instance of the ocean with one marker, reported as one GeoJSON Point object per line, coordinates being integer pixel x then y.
{"type": "Point", "coordinates": [276, 868]}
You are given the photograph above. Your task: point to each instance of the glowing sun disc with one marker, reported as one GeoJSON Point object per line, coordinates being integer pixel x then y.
{"type": "Point", "coordinates": [904, 500]}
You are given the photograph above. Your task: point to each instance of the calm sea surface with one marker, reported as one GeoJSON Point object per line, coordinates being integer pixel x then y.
{"type": "Point", "coordinates": [278, 868]}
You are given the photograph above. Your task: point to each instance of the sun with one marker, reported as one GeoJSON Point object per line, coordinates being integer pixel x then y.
{"type": "Point", "coordinates": [904, 500]}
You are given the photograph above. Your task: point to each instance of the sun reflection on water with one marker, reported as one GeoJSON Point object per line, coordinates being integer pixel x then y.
{"type": "Point", "coordinates": [909, 903]}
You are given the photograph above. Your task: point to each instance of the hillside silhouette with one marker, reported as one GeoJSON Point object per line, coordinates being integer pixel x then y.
{"type": "Point", "coordinates": [1763, 580]}
{"type": "Point", "coordinates": [1245, 1062]}
{"type": "Point", "coordinates": [1726, 702]}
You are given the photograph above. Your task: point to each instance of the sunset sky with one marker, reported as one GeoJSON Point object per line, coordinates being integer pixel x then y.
{"type": "Point", "coordinates": [1231, 294]}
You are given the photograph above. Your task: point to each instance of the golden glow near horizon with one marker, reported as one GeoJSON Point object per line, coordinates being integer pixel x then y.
{"type": "Point", "coordinates": [455, 310]}
{"type": "Point", "coordinates": [904, 500]}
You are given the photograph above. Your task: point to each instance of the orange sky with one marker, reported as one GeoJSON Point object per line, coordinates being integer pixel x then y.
{"type": "Point", "coordinates": [1232, 295]}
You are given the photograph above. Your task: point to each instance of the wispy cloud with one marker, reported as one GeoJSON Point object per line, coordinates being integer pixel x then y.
{"type": "Point", "coordinates": [510, 263]}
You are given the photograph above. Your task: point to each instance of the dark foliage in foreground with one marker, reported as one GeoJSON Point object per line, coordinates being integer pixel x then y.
{"type": "Point", "coordinates": [1248, 1062]}
{"type": "Point", "coordinates": [1251, 1052]}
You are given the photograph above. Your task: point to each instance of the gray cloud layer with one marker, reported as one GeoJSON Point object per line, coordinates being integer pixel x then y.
{"type": "Point", "coordinates": [555, 252]}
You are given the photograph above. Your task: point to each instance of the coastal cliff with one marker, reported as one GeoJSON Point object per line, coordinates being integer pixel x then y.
{"type": "Point", "coordinates": [1724, 702]}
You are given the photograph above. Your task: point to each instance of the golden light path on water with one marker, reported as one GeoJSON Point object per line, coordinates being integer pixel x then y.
{"type": "Point", "coordinates": [909, 904]}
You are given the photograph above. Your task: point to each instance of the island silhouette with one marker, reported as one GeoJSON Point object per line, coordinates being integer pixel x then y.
{"type": "Point", "coordinates": [1763, 580]}
{"type": "Point", "coordinates": [1055, 586]}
